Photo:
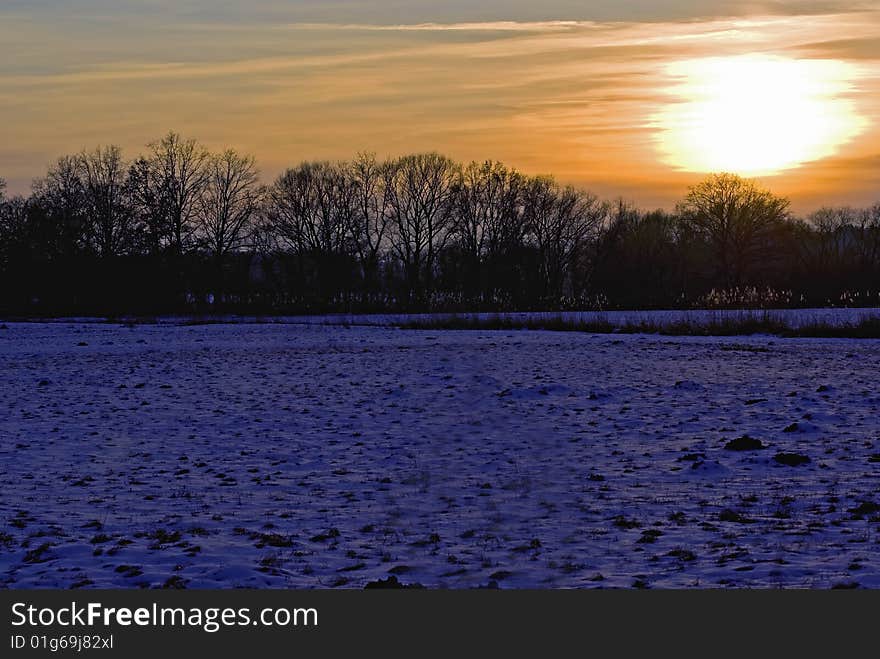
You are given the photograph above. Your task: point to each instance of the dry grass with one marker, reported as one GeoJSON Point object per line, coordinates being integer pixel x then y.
{"type": "Point", "coordinates": [743, 325]}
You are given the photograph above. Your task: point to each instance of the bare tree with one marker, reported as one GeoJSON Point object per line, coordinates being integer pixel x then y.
{"type": "Point", "coordinates": [8, 226]}
{"type": "Point", "coordinates": [311, 209]}
{"type": "Point", "coordinates": [637, 256]}
{"type": "Point", "coordinates": [829, 244]}
{"type": "Point", "coordinates": [868, 240]}
{"type": "Point", "coordinates": [14, 237]}
{"type": "Point", "coordinates": [489, 214]}
{"type": "Point", "coordinates": [313, 206]}
{"type": "Point", "coordinates": [564, 223]}
{"type": "Point", "coordinates": [151, 203]}
{"type": "Point", "coordinates": [737, 217]}
{"type": "Point", "coordinates": [104, 178]}
{"type": "Point", "coordinates": [370, 218]}
{"type": "Point", "coordinates": [181, 167]}
{"type": "Point", "coordinates": [264, 239]}
{"type": "Point", "coordinates": [228, 202]}
{"type": "Point", "coordinates": [61, 196]}
{"type": "Point", "coordinates": [421, 192]}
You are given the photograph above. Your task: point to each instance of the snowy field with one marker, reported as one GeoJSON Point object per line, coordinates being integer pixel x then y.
{"type": "Point", "coordinates": [282, 455]}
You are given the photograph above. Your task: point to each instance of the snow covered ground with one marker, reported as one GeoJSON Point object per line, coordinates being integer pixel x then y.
{"type": "Point", "coordinates": [281, 455]}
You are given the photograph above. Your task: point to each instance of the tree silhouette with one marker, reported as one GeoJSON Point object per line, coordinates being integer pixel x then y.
{"type": "Point", "coordinates": [107, 204]}
{"type": "Point", "coordinates": [228, 203]}
{"type": "Point", "coordinates": [564, 223]}
{"type": "Point", "coordinates": [180, 167]}
{"type": "Point", "coordinates": [867, 241]}
{"type": "Point", "coordinates": [12, 230]}
{"type": "Point", "coordinates": [61, 199]}
{"type": "Point", "coordinates": [370, 218]}
{"type": "Point", "coordinates": [421, 193]}
{"type": "Point", "coordinates": [312, 209]}
{"type": "Point", "coordinates": [640, 256]}
{"type": "Point", "coordinates": [418, 232]}
{"type": "Point", "coordinates": [737, 217]}
{"type": "Point", "coordinates": [488, 219]}
{"type": "Point", "coordinates": [151, 202]}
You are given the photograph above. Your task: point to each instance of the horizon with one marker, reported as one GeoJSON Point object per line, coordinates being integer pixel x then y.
{"type": "Point", "coordinates": [609, 99]}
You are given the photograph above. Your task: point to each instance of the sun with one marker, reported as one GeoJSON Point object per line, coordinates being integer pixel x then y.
{"type": "Point", "coordinates": [756, 114]}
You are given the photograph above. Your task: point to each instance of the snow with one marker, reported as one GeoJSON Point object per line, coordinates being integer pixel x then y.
{"type": "Point", "coordinates": [292, 455]}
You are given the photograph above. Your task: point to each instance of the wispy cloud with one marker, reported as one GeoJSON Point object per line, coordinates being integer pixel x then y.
{"type": "Point", "coordinates": [573, 97]}
{"type": "Point", "coordinates": [485, 26]}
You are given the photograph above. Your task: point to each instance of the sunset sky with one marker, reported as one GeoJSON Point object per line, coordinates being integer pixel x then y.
{"type": "Point", "coordinates": [631, 100]}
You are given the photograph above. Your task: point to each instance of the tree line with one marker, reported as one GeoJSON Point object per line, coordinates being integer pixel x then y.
{"type": "Point", "coordinates": [180, 229]}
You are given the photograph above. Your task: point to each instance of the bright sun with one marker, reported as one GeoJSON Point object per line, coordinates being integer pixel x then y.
{"type": "Point", "coordinates": [756, 114]}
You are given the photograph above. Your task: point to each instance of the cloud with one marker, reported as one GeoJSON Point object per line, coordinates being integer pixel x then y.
{"type": "Point", "coordinates": [385, 12]}
{"type": "Point", "coordinates": [852, 48]}
{"type": "Point", "coordinates": [485, 26]}
{"type": "Point", "coordinates": [572, 97]}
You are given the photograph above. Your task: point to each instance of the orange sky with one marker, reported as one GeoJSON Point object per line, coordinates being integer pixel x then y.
{"type": "Point", "coordinates": [578, 99]}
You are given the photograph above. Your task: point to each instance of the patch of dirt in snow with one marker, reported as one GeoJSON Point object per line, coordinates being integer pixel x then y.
{"type": "Point", "coordinates": [311, 456]}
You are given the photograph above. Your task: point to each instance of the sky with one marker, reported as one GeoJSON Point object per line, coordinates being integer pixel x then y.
{"type": "Point", "coordinates": [622, 98]}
